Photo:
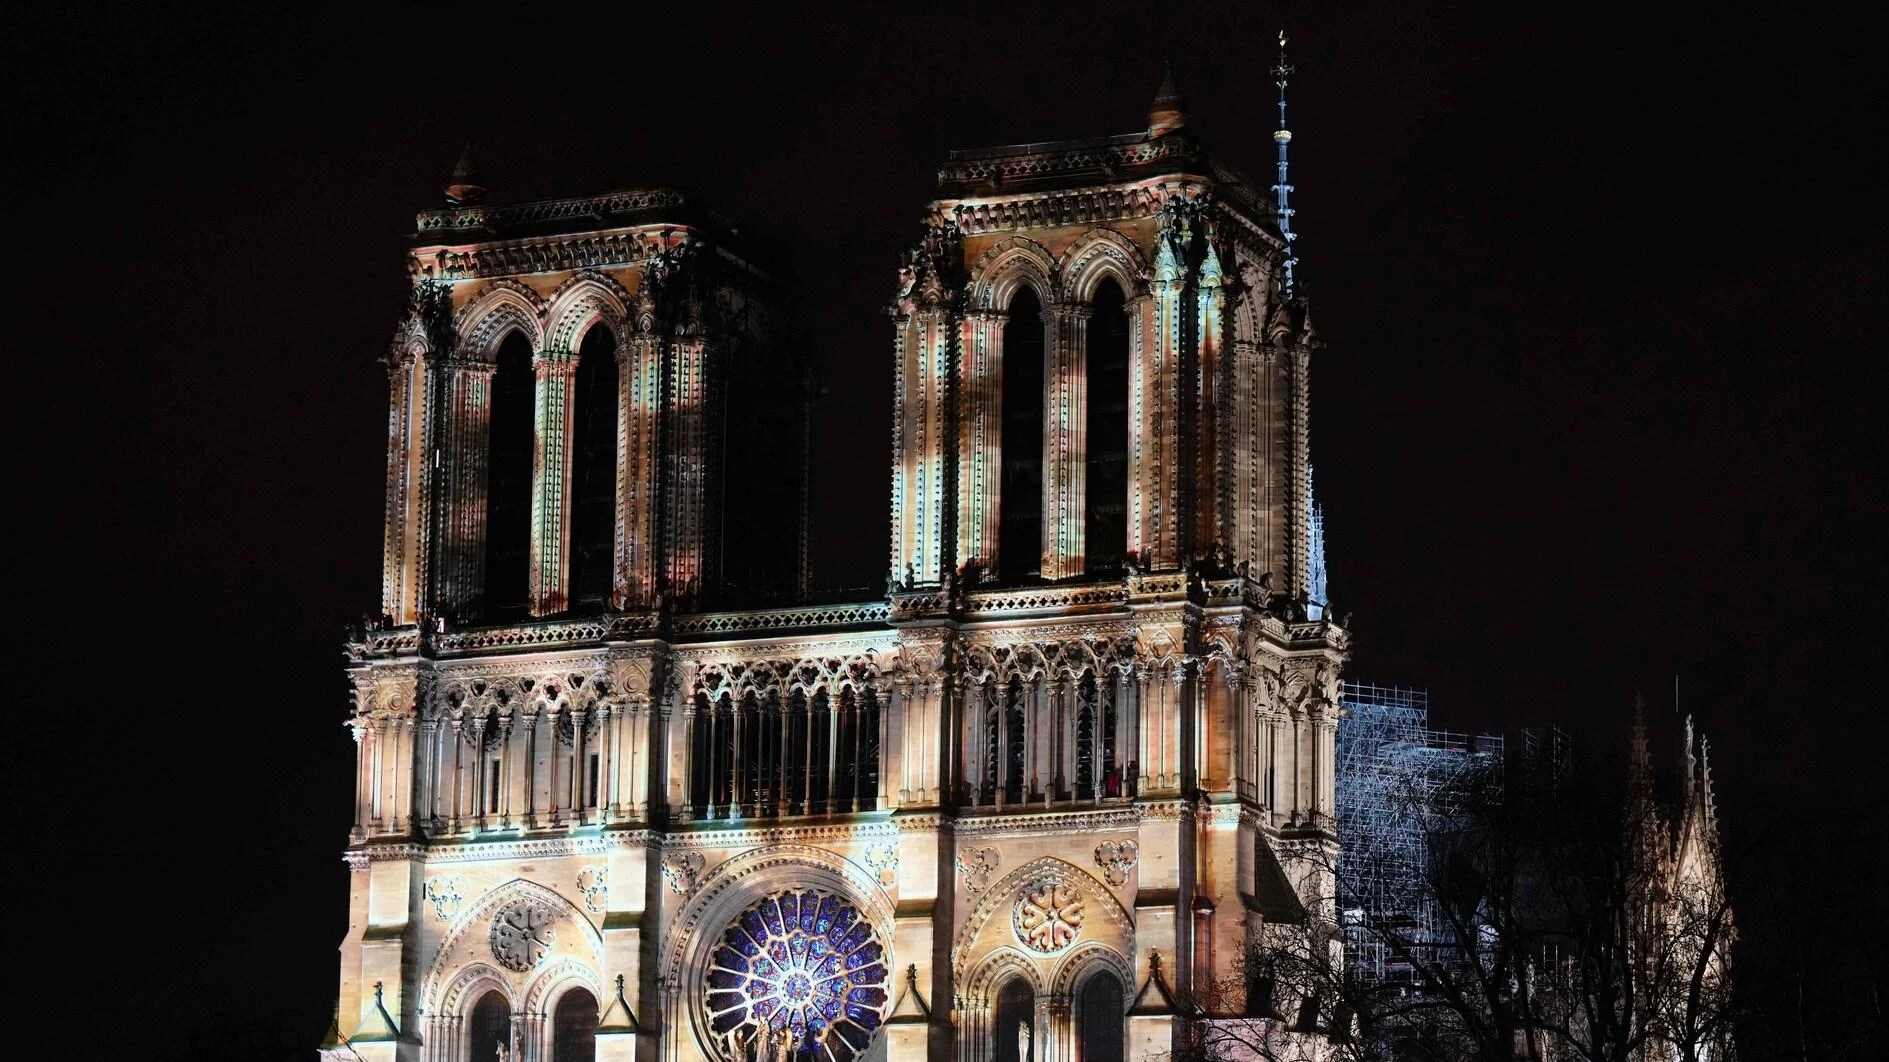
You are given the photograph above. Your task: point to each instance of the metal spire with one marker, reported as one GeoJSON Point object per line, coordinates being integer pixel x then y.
{"type": "Point", "coordinates": [1283, 190]}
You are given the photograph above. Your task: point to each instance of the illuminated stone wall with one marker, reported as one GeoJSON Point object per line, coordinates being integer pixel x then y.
{"type": "Point", "coordinates": [1042, 784]}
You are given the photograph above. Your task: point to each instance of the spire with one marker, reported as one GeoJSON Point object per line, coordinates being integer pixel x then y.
{"type": "Point", "coordinates": [1169, 112]}
{"type": "Point", "coordinates": [464, 186]}
{"type": "Point", "coordinates": [1283, 190]}
{"type": "Point", "coordinates": [1640, 768]}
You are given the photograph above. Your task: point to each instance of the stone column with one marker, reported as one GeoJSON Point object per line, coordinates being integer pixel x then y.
{"type": "Point", "coordinates": [924, 449]}
{"type": "Point", "coordinates": [980, 434]}
{"type": "Point", "coordinates": [1065, 435]}
{"type": "Point", "coordinates": [639, 421]}
{"type": "Point", "coordinates": [685, 471]}
{"type": "Point", "coordinates": [550, 481]}
{"type": "Point", "coordinates": [359, 730]}
{"type": "Point", "coordinates": [409, 464]}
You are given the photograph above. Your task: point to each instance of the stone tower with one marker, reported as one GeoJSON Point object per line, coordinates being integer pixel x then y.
{"type": "Point", "coordinates": [1036, 802]}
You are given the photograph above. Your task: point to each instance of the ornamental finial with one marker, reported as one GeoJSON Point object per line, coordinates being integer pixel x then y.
{"type": "Point", "coordinates": [463, 187]}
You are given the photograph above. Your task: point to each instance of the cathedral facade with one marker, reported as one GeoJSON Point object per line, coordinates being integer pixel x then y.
{"type": "Point", "coordinates": [626, 790]}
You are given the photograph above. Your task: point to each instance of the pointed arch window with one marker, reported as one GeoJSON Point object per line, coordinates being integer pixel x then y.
{"type": "Point", "coordinates": [1100, 1036]}
{"type": "Point", "coordinates": [511, 441]}
{"type": "Point", "coordinates": [489, 1028]}
{"type": "Point", "coordinates": [1105, 519]}
{"type": "Point", "coordinates": [1015, 1022]}
{"type": "Point", "coordinates": [594, 471]}
{"type": "Point", "coordinates": [1020, 501]}
{"type": "Point", "coordinates": [574, 1027]}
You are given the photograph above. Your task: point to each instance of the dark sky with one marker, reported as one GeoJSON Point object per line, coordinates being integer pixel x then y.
{"type": "Point", "coordinates": [1600, 406]}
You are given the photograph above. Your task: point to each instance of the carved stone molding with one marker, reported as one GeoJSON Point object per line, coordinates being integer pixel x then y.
{"type": "Point", "coordinates": [1048, 915]}
{"type": "Point", "coordinates": [594, 883]}
{"type": "Point", "coordinates": [683, 871]}
{"type": "Point", "coordinates": [977, 865]}
{"type": "Point", "coordinates": [521, 935]}
{"type": "Point", "coordinates": [446, 892]}
{"type": "Point", "coordinates": [1117, 858]}
{"type": "Point", "coordinates": [884, 858]}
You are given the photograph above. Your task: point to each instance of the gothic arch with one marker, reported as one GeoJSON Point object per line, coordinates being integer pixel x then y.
{"type": "Point", "coordinates": [735, 883]}
{"type": "Point", "coordinates": [1084, 962]}
{"type": "Point", "coordinates": [998, 966]}
{"type": "Point", "coordinates": [1099, 254]}
{"type": "Point", "coordinates": [1008, 265]}
{"type": "Point", "coordinates": [470, 985]}
{"type": "Point", "coordinates": [1098, 899]}
{"type": "Point", "coordinates": [476, 920]}
{"type": "Point", "coordinates": [410, 339]}
{"type": "Point", "coordinates": [555, 980]}
{"type": "Point", "coordinates": [502, 307]}
{"type": "Point", "coordinates": [579, 303]}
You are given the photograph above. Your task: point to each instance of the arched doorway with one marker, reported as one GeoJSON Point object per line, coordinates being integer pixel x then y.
{"type": "Point", "coordinates": [1015, 1022]}
{"type": "Point", "coordinates": [574, 1027]}
{"type": "Point", "coordinates": [489, 1027]}
{"type": "Point", "coordinates": [1100, 1036]}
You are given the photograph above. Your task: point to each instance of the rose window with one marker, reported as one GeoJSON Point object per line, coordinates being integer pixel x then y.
{"type": "Point", "coordinates": [801, 970]}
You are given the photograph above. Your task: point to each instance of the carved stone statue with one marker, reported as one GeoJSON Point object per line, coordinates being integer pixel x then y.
{"type": "Point", "coordinates": [1026, 1048]}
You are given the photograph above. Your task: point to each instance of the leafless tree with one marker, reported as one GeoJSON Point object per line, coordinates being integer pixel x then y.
{"type": "Point", "coordinates": [1561, 913]}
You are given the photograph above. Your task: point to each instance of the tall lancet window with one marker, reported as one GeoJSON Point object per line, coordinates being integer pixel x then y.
{"type": "Point", "coordinates": [594, 471]}
{"type": "Point", "coordinates": [574, 1027]}
{"type": "Point", "coordinates": [489, 1030]}
{"type": "Point", "coordinates": [1015, 1023]}
{"type": "Point", "coordinates": [508, 484]}
{"type": "Point", "coordinates": [1105, 529]}
{"type": "Point", "coordinates": [1100, 1036]}
{"type": "Point", "coordinates": [1020, 504]}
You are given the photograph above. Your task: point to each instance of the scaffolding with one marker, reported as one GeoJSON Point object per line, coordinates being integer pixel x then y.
{"type": "Point", "coordinates": [1397, 780]}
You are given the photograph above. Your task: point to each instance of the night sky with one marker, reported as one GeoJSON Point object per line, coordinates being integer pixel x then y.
{"type": "Point", "coordinates": [1601, 402]}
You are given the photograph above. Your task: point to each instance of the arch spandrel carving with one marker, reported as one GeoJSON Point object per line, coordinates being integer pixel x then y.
{"type": "Point", "coordinates": [470, 984]}
{"type": "Point", "coordinates": [1103, 254]}
{"type": "Point", "coordinates": [988, 927]}
{"type": "Point", "coordinates": [1085, 961]}
{"type": "Point", "coordinates": [581, 302]}
{"type": "Point", "coordinates": [1009, 264]}
{"type": "Point", "coordinates": [1000, 965]}
{"type": "Point", "coordinates": [463, 955]}
{"type": "Point", "coordinates": [504, 306]}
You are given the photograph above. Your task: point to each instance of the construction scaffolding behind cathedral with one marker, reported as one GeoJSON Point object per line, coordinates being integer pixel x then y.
{"type": "Point", "coordinates": [1397, 779]}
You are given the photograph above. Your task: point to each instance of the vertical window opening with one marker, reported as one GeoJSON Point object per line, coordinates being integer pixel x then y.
{"type": "Point", "coordinates": [1099, 1033]}
{"type": "Point", "coordinates": [1015, 1022]}
{"type": "Point", "coordinates": [508, 484]}
{"type": "Point", "coordinates": [574, 1027]}
{"type": "Point", "coordinates": [593, 495]}
{"type": "Point", "coordinates": [489, 1029]}
{"type": "Point", "coordinates": [1105, 530]}
{"type": "Point", "coordinates": [1020, 500]}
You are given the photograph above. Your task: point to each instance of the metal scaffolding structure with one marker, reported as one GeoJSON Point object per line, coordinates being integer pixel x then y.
{"type": "Point", "coordinates": [1397, 781]}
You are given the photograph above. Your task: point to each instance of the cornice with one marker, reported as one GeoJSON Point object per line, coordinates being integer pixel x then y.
{"type": "Point", "coordinates": [623, 201]}
{"type": "Point", "coordinates": [760, 837]}
{"type": "Point", "coordinates": [1121, 817]}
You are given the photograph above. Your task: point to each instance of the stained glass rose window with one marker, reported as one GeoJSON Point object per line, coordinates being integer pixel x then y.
{"type": "Point", "coordinates": [801, 969]}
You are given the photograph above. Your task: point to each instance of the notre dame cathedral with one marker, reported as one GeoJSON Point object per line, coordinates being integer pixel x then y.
{"type": "Point", "coordinates": [627, 789]}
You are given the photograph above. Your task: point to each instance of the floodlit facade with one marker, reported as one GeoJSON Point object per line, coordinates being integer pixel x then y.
{"type": "Point", "coordinates": [626, 791]}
